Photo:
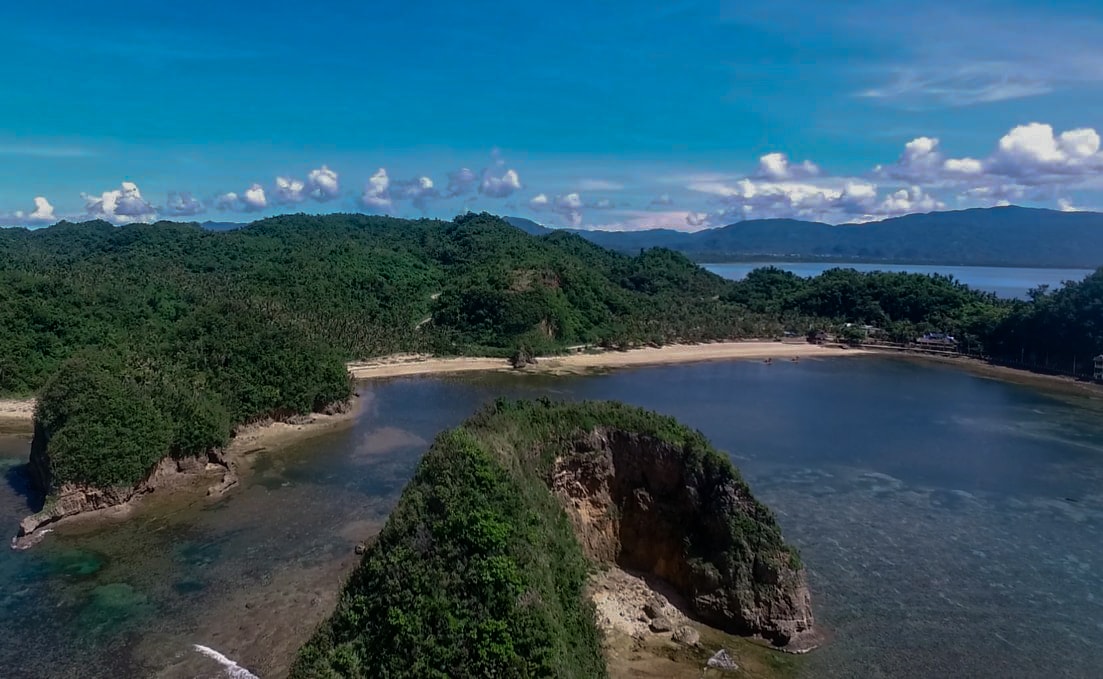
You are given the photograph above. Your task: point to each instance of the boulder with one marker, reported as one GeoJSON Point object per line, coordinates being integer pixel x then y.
{"type": "Point", "coordinates": [654, 608]}
{"type": "Point", "coordinates": [661, 624]}
{"type": "Point", "coordinates": [722, 661]}
{"type": "Point", "coordinates": [686, 635]}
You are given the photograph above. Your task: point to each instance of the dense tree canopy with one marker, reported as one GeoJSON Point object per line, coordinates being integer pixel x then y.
{"type": "Point", "coordinates": [205, 330]}
{"type": "Point", "coordinates": [478, 573]}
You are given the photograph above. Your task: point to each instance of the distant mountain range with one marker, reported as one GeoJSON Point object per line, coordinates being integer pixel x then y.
{"type": "Point", "coordinates": [1000, 236]}
{"type": "Point", "coordinates": [222, 226]}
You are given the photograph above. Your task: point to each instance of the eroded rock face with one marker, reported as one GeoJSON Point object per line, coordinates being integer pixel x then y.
{"type": "Point", "coordinates": [71, 499]}
{"type": "Point", "coordinates": [652, 506]}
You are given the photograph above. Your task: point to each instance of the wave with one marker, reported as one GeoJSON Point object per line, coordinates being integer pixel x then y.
{"type": "Point", "coordinates": [233, 670]}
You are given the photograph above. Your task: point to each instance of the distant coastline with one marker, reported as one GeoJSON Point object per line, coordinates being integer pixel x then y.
{"type": "Point", "coordinates": [705, 258]}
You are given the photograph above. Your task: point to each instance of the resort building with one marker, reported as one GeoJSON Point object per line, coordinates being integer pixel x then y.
{"type": "Point", "coordinates": [1099, 368]}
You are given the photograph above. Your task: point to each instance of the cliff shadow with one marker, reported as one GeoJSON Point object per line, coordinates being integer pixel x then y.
{"type": "Point", "coordinates": [18, 478]}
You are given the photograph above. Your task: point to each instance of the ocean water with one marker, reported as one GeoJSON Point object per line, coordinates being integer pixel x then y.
{"type": "Point", "coordinates": [1006, 282]}
{"type": "Point", "coordinates": [951, 524]}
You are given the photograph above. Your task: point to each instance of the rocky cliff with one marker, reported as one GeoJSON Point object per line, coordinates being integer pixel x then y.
{"type": "Point", "coordinates": [646, 504]}
{"type": "Point", "coordinates": [70, 499]}
{"type": "Point", "coordinates": [220, 465]}
{"type": "Point", "coordinates": [481, 570]}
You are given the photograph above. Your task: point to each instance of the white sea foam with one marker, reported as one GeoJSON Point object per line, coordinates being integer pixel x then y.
{"type": "Point", "coordinates": [28, 541]}
{"type": "Point", "coordinates": [233, 670]}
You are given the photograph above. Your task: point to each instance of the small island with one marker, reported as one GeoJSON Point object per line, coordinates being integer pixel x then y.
{"type": "Point", "coordinates": [487, 565]}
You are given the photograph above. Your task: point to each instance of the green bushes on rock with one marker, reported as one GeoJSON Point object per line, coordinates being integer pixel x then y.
{"type": "Point", "coordinates": [476, 574]}
{"type": "Point", "coordinates": [479, 572]}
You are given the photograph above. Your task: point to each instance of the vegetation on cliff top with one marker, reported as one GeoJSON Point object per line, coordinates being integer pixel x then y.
{"type": "Point", "coordinates": [478, 573]}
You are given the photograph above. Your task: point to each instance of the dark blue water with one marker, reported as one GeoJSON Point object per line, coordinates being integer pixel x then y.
{"type": "Point", "coordinates": [951, 524]}
{"type": "Point", "coordinates": [1006, 282]}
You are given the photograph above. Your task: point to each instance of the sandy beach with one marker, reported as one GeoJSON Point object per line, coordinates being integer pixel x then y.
{"type": "Point", "coordinates": [18, 413]}
{"type": "Point", "coordinates": [414, 364]}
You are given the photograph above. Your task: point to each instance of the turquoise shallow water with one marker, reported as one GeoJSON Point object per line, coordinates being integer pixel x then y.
{"type": "Point", "coordinates": [951, 524]}
{"type": "Point", "coordinates": [1007, 282]}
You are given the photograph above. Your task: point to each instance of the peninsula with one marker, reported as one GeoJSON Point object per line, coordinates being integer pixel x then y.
{"type": "Point", "coordinates": [487, 565]}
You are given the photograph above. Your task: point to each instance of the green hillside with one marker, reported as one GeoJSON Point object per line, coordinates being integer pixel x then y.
{"type": "Point", "coordinates": [173, 335]}
{"type": "Point", "coordinates": [478, 572]}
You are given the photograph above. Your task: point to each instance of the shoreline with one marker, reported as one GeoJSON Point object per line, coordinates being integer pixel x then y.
{"type": "Point", "coordinates": [17, 415]}
{"type": "Point", "coordinates": [218, 474]}
{"type": "Point", "coordinates": [406, 365]}
{"type": "Point", "coordinates": [1058, 384]}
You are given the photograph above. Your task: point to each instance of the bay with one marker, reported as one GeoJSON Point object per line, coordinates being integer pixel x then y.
{"type": "Point", "coordinates": [1006, 282]}
{"type": "Point", "coordinates": [950, 523]}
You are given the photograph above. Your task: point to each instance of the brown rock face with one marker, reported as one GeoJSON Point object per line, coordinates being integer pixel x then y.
{"type": "Point", "coordinates": [71, 499]}
{"type": "Point", "coordinates": [651, 506]}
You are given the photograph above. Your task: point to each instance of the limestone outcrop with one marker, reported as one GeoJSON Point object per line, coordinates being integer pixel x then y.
{"type": "Point", "coordinates": [71, 499]}
{"type": "Point", "coordinates": [650, 505]}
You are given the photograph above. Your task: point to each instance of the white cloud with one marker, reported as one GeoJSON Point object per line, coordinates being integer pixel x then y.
{"type": "Point", "coordinates": [697, 220]}
{"type": "Point", "coordinates": [1030, 163]}
{"type": "Point", "coordinates": [376, 196]}
{"type": "Point", "coordinates": [494, 181]}
{"type": "Point", "coordinates": [832, 200]}
{"type": "Point", "coordinates": [963, 166]}
{"type": "Point", "coordinates": [123, 205]}
{"type": "Point", "coordinates": [662, 200]}
{"type": "Point", "coordinates": [1035, 154]}
{"type": "Point", "coordinates": [289, 191]}
{"type": "Point", "coordinates": [381, 192]}
{"type": "Point", "coordinates": [599, 185]}
{"type": "Point", "coordinates": [461, 181]}
{"type": "Point", "coordinates": [182, 203]}
{"type": "Point", "coordinates": [961, 85]}
{"type": "Point", "coordinates": [1065, 205]}
{"type": "Point", "coordinates": [322, 184]}
{"type": "Point", "coordinates": [920, 161]}
{"type": "Point", "coordinates": [636, 220]}
{"type": "Point", "coordinates": [419, 191]}
{"type": "Point", "coordinates": [570, 206]}
{"type": "Point", "coordinates": [907, 201]}
{"type": "Point", "coordinates": [252, 199]}
{"type": "Point", "coordinates": [43, 213]}
{"type": "Point", "coordinates": [499, 186]}
{"type": "Point", "coordinates": [776, 167]}
{"type": "Point", "coordinates": [227, 202]}
{"type": "Point", "coordinates": [752, 199]}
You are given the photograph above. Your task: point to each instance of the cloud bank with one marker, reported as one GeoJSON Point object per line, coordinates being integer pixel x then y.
{"type": "Point", "coordinates": [124, 205]}
{"type": "Point", "coordinates": [1031, 163]}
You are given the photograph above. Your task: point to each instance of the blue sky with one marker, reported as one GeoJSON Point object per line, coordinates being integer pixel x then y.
{"type": "Point", "coordinates": [597, 114]}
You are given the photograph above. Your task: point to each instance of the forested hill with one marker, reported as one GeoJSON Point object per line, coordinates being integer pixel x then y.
{"type": "Point", "coordinates": [160, 338]}
{"type": "Point", "coordinates": [362, 285]}
{"type": "Point", "coordinates": [1003, 236]}
{"type": "Point", "coordinates": [145, 340]}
